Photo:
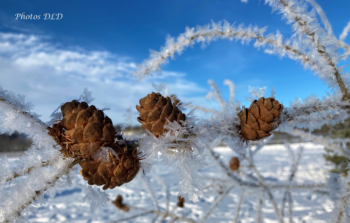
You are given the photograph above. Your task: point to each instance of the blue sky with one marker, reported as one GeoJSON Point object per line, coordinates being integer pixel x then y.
{"type": "Point", "coordinates": [96, 44]}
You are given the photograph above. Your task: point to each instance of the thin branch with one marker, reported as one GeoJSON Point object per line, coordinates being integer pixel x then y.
{"type": "Point", "coordinates": [216, 94]}
{"type": "Point", "coordinates": [292, 174]}
{"type": "Point", "coordinates": [320, 48]}
{"type": "Point", "coordinates": [166, 188]}
{"type": "Point", "coordinates": [261, 182]}
{"type": "Point", "coordinates": [290, 207]}
{"type": "Point", "coordinates": [134, 216]}
{"type": "Point", "coordinates": [152, 194]}
{"type": "Point", "coordinates": [200, 108]}
{"type": "Point", "coordinates": [229, 173]}
{"type": "Point", "coordinates": [344, 201]}
{"type": "Point", "coordinates": [217, 202]}
{"type": "Point", "coordinates": [43, 164]}
{"type": "Point", "coordinates": [261, 204]}
{"type": "Point", "coordinates": [320, 140]}
{"type": "Point", "coordinates": [207, 35]}
{"type": "Point", "coordinates": [232, 89]}
{"type": "Point", "coordinates": [47, 186]}
{"type": "Point", "coordinates": [322, 16]}
{"type": "Point", "coordinates": [162, 213]}
{"type": "Point", "coordinates": [345, 32]}
{"type": "Point", "coordinates": [239, 206]}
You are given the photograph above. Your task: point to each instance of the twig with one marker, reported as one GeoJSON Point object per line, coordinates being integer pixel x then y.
{"type": "Point", "coordinates": [43, 164]}
{"type": "Point", "coordinates": [292, 174]}
{"type": "Point", "coordinates": [229, 173]}
{"type": "Point", "coordinates": [162, 213]}
{"type": "Point", "coordinates": [261, 182]}
{"type": "Point", "coordinates": [321, 141]}
{"type": "Point", "coordinates": [232, 89]}
{"type": "Point", "coordinates": [321, 50]}
{"type": "Point", "coordinates": [207, 35]}
{"type": "Point", "coordinates": [200, 108]}
{"type": "Point", "coordinates": [344, 201]}
{"type": "Point", "coordinates": [216, 94]}
{"type": "Point", "coordinates": [152, 194]}
{"type": "Point", "coordinates": [47, 186]}
{"type": "Point", "coordinates": [290, 207]}
{"type": "Point", "coordinates": [261, 204]}
{"type": "Point", "coordinates": [239, 206]}
{"type": "Point", "coordinates": [134, 216]}
{"type": "Point", "coordinates": [166, 188]}
{"type": "Point", "coordinates": [217, 202]}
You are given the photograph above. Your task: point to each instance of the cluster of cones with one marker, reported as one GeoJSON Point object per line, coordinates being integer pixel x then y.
{"type": "Point", "coordinates": [83, 133]}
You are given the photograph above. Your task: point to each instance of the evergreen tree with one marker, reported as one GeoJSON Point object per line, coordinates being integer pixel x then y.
{"type": "Point", "coordinates": [341, 130]}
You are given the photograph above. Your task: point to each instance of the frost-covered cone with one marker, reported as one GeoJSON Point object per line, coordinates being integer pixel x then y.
{"type": "Point", "coordinates": [85, 133]}
{"type": "Point", "coordinates": [115, 171]}
{"type": "Point", "coordinates": [260, 119]}
{"type": "Point", "coordinates": [83, 130]}
{"type": "Point", "coordinates": [155, 111]}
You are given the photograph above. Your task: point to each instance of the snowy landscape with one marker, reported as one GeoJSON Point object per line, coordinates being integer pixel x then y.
{"type": "Point", "coordinates": [219, 156]}
{"type": "Point", "coordinates": [273, 161]}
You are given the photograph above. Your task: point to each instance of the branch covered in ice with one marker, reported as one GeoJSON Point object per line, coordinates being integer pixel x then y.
{"type": "Point", "coordinates": [17, 198]}
{"type": "Point", "coordinates": [305, 24]}
{"type": "Point", "coordinates": [208, 33]}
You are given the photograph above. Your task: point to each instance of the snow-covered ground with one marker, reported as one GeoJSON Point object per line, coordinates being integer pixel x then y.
{"type": "Point", "coordinates": [273, 162]}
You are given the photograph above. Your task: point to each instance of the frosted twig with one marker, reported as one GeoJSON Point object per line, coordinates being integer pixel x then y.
{"type": "Point", "coordinates": [322, 16]}
{"type": "Point", "coordinates": [216, 94]}
{"type": "Point", "coordinates": [206, 35]}
{"type": "Point", "coordinates": [239, 206]}
{"type": "Point", "coordinates": [320, 140]}
{"type": "Point", "coordinates": [290, 207]}
{"type": "Point", "coordinates": [296, 186]}
{"type": "Point", "coordinates": [261, 182]}
{"type": "Point", "coordinates": [161, 213]}
{"type": "Point", "coordinates": [232, 89]}
{"type": "Point", "coordinates": [345, 32]}
{"type": "Point", "coordinates": [229, 172]}
{"type": "Point", "coordinates": [134, 216]}
{"type": "Point", "coordinates": [15, 175]}
{"type": "Point", "coordinates": [344, 201]}
{"type": "Point", "coordinates": [47, 186]}
{"type": "Point", "coordinates": [320, 48]}
{"type": "Point", "coordinates": [152, 194]}
{"type": "Point", "coordinates": [292, 174]}
{"type": "Point", "coordinates": [262, 144]}
{"type": "Point", "coordinates": [260, 206]}
{"type": "Point", "coordinates": [217, 202]}
{"type": "Point", "coordinates": [200, 108]}
{"type": "Point", "coordinates": [166, 188]}
{"type": "Point", "coordinates": [26, 115]}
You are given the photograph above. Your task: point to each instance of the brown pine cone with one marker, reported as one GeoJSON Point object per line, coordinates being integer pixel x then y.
{"type": "Point", "coordinates": [113, 172]}
{"type": "Point", "coordinates": [234, 163]}
{"type": "Point", "coordinates": [81, 134]}
{"type": "Point", "coordinates": [154, 109]}
{"type": "Point", "coordinates": [260, 119]}
{"type": "Point", "coordinates": [83, 130]}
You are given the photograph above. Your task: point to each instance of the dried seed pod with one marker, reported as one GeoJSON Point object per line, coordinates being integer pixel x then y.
{"type": "Point", "coordinates": [260, 119]}
{"type": "Point", "coordinates": [234, 163]}
{"type": "Point", "coordinates": [180, 201]}
{"type": "Point", "coordinates": [118, 202]}
{"type": "Point", "coordinates": [155, 111]}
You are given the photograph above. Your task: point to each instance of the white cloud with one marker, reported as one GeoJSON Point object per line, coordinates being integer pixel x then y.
{"type": "Point", "coordinates": [49, 75]}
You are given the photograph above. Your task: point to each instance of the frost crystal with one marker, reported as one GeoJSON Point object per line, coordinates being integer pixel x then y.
{"type": "Point", "coordinates": [96, 198]}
